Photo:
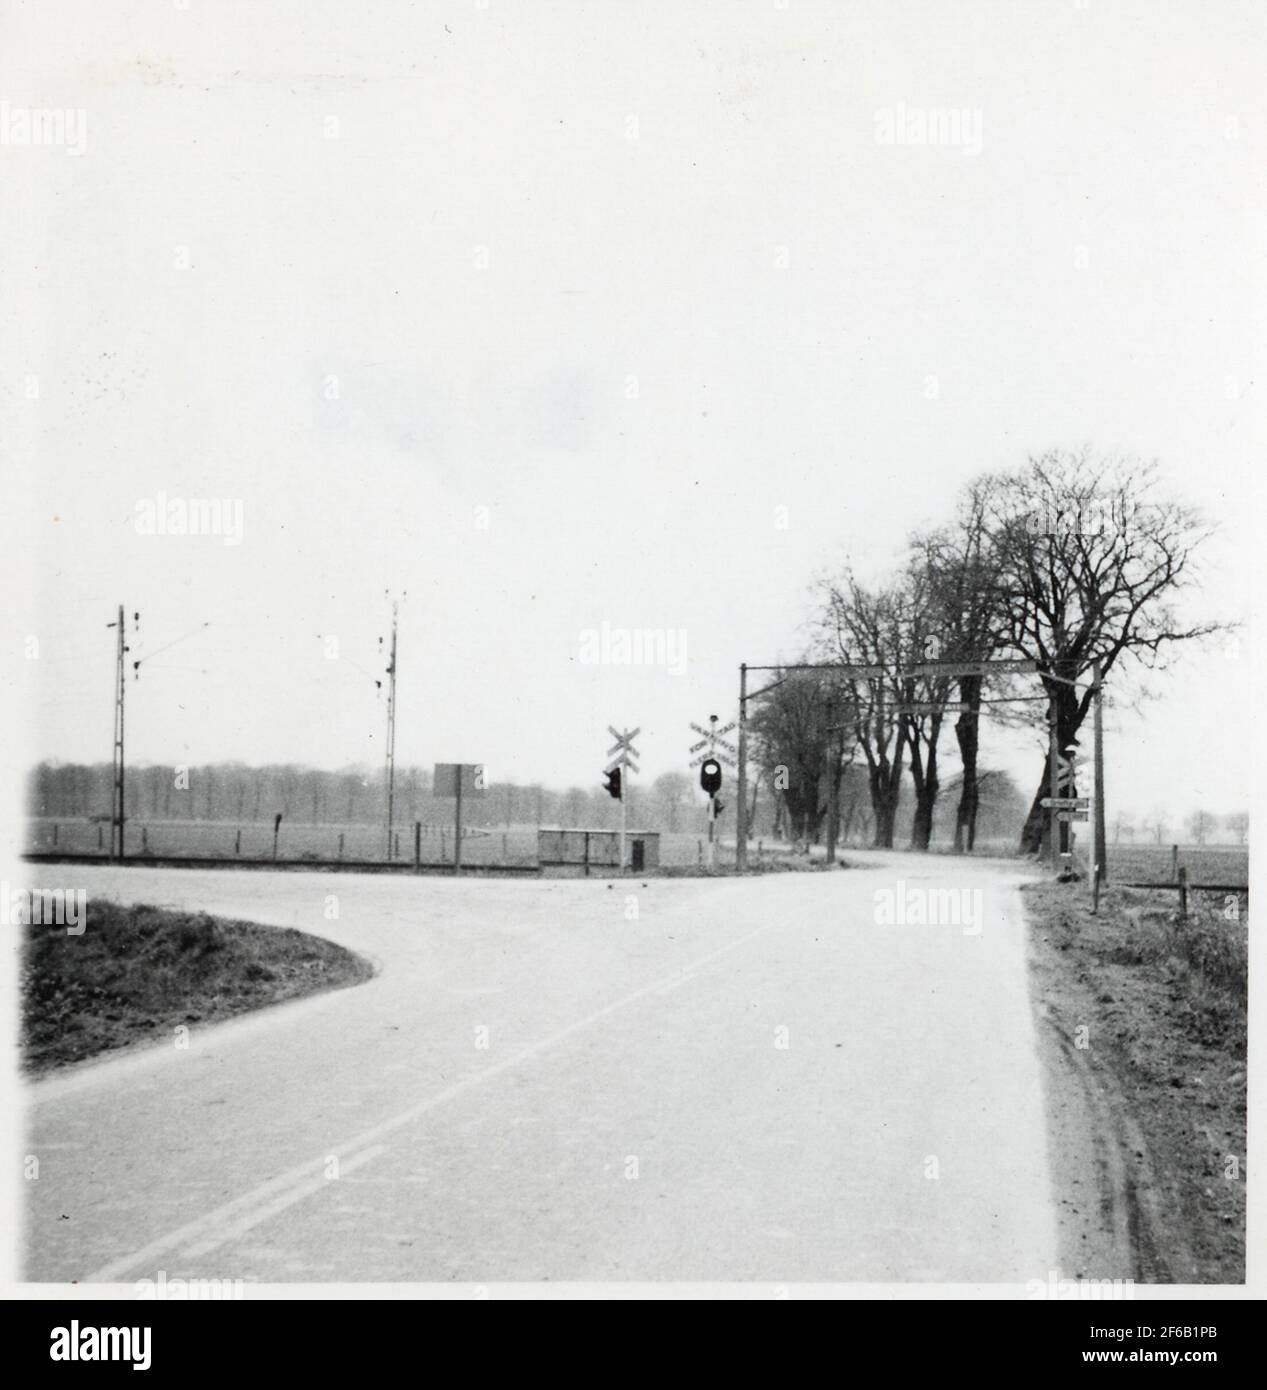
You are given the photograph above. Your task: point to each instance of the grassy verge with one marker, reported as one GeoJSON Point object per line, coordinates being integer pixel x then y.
{"type": "Point", "coordinates": [140, 972]}
{"type": "Point", "coordinates": [1164, 1005]}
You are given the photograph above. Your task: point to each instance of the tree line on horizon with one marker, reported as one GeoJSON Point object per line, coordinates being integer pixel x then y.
{"type": "Point", "coordinates": [240, 794]}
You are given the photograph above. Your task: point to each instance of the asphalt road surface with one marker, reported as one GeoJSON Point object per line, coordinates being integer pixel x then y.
{"type": "Point", "coordinates": [682, 1080]}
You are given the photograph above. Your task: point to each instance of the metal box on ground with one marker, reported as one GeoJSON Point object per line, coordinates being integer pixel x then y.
{"type": "Point", "coordinates": [580, 851]}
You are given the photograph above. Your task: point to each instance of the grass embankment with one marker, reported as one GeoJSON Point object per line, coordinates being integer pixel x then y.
{"type": "Point", "coordinates": [140, 972]}
{"type": "Point", "coordinates": [1165, 1004]}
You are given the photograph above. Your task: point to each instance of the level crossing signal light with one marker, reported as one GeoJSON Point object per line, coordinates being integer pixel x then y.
{"type": "Point", "coordinates": [710, 776]}
{"type": "Point", "coordinates": [611, 780]}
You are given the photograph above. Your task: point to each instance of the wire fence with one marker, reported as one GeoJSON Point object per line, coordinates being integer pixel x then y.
{"type": "Point", "coordinates": [512, 847]}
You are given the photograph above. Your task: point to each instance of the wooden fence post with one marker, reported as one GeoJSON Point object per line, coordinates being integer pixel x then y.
{"type": "Point", "coordinates": [1183, 894]}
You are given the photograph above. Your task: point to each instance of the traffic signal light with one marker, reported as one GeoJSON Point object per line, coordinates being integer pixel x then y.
{"type": "Point", "coordinates": [612, 782]}
{"type": "Point", "coordinates": [710, 776]}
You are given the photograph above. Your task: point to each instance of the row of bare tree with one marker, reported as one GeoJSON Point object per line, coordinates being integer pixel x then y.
{"type": "Point", "coordinates": [354, 795]}
{"type": "Point", "coordinates": [1198, 826]}
{"type": "Point", "coordinates": [1069, 560]}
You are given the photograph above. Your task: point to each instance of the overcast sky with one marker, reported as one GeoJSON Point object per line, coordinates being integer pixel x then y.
{"type": "Point", "coordinates": [562, 314]}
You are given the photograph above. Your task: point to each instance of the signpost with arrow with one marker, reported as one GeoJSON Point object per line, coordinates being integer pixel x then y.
{"type": "Point", "coordinates": [968, 668]}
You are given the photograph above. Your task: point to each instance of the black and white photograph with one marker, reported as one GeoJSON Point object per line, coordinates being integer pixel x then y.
{"type": "Point", "coordinates": [629, 658]}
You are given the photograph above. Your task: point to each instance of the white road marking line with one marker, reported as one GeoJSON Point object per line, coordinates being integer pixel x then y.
{"type": "Point", "coordinates": [108, 1273]}
{"type": "Point", "coordinates": [279, 1204]}
{"type": "Point", "coordinates": [203, 1227]}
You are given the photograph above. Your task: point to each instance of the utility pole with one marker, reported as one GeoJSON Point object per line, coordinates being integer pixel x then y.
{"type": "Point", "coordinates": [118, 781]}
{"type": "Point", "coordinates": [118, 795]}
{"type": "Point", "coordinates": [391, 732]}
{"type": "Point", "coordinates": [741, 811]}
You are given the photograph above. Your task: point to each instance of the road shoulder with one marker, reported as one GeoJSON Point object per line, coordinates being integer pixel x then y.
{"type": "Point", "coordinates": [1144, 1071]}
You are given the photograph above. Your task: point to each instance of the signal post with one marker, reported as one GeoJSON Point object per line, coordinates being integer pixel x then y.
{"type": "Point", "coordinates": [710, 773]}
{"type": "Point", "coordinates": [625, 759]}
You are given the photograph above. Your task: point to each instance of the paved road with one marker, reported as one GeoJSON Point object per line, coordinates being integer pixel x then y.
{"type": "Point", "coordinates": [751, 1080]}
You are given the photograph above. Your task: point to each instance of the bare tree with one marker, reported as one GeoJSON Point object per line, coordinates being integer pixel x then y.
{"type": "Point", "coordinates": [867, 628]}
{"type": "Point", "coordinates": [853, 803]}
{"type": "Point", "coordinates": [965, 612]}
{"type": "Point", "coordinates": [1199, 824]}
{"type": "Point", "coordinates": [1089, 559]}
{"type": "Point", "coordinates": [576, 802]}
{"type": "Point", "coordinates": [791, 743]}
{"type": "Point", "coordinates": [1157, 824]}
{"type": "Point", "coordinates": [919, 638]}
{"type": "Point", "coordinates": [671, 794]}
{"type": "Point", "coordinates": [840, 755]}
